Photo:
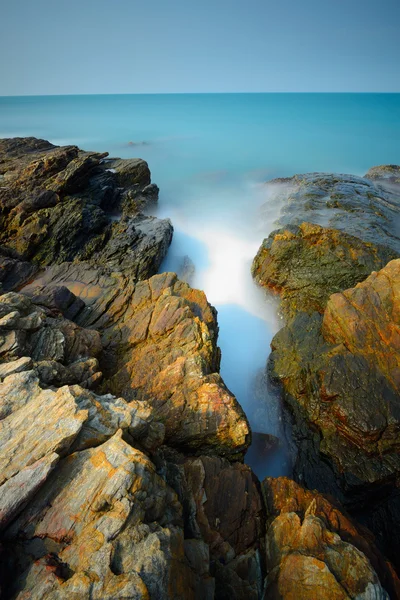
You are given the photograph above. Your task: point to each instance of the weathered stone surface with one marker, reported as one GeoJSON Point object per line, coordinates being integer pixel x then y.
{"type": "Point", "coordinates": [18, 490]}
{"type": "Point", "coordinates": [60, 351]}
{"type": "Point", "coordinates": [285, 498]}
{"type": "Point", "coordinates": [159, 338]}
{"type": "Point", "coordinates": [224, 520]}
{"type": "Point", "coordinates": [356, 205]}
{"type": "Point", "coordinates": [366, 320]}
{"type": "Point", "coordinates": [340, 379]}
{"type": "Point", "coordinates": [57, 204]}
{"type": "Point", "coordinates": [109, 526]}
{"type": "Point", "coordinates": [306, 264]}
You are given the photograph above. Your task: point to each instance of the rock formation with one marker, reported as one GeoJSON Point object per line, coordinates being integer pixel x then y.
{"type": "Point", "coordinates": [121, 447]}
{"type": "Point", "coordinates": [337, 356]}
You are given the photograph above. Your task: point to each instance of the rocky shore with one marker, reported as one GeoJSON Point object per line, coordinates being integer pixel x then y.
{"type": "Point", "coordinates": [121, 448]}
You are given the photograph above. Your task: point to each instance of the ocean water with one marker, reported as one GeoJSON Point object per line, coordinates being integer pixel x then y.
{"type": "Point", "coordinates": [210, 154]}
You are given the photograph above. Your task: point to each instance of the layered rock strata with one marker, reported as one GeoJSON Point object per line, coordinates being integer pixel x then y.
{"type": "Point", "coordinates": [337, 355]}
{"type": "Point", "coordinates": [120, 445]}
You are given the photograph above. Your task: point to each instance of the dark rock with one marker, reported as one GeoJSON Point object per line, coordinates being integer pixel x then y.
{"type": "Point", "coordinates": [355, 205]}
{"type": "Point", "coordinates": [308, 263]}
{"type": "Point", "coordinates": [56, 205]}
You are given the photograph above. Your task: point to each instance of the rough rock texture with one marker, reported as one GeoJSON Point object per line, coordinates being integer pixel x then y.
{"type": "Point", "coordinates": [102, 527]}
{"type": "Point", "coordinates": [306, 264]}
{"type": "Point", "coordinates": [35, 336]}
{"type": "Point", "coordinates": [299, 520]}
{"type": "Point", "coordinates": [57, 204]}
{"type": "Point", "coordinates": [135, 493]}
{"type": "Point", "coordinates": [336, 357]}
{"type": "Point", "coordinates": [360, 207]}
{"type": "Point", "coordinates": [159, 338]}
{"type": "Point", "coordinates": [340, 377]}
{"type": "Point", "coordinates": [223, 512]}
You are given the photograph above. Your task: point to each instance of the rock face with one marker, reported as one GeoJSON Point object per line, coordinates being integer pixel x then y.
{"type": "Point", "coordinates": [337, 355]}
{"type": "Point", "coordinates": [120, 445]}
{"type": "Point", "coordinates": [366, 209]}
{"type": "Point", "coordinates": [306, 264]}
{"type": "Point", "coordinates": [314, 550]}
{"type": "Point", "coordinates": [57, 204]}
{"type": "Point", "coordinates": [159, 338]}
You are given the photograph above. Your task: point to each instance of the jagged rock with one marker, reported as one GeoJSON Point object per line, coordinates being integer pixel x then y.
{"type": "Point", "coordinates": [15, 366]}
{"type": "Point", "coordinates": [159, 338]}
{"type": "Point", "coordinates": [224, 520]}
{"type": "Point", "coordinates": [137, 246]}
{"type": "Point", "coordinates": [289, 508]}
{"type": "Point", "coordinates": [37, 424]}
{"type": "Point", "coordinates": [109, 528]}
{"type": "Point", "coordinates": [355, 205]}
{"type": "Point", "coordinates": [14, 272]}
{"type": "Point", "coordinates": [56, 205]}
{"type": "Point", "coordinates": [340, 379]}
{"type": "Point", "coordinates": [60, 351]}
{"type": "Point", "coordinates": [19, 489]}
{"type": "Point", "coordinates": [306, 264]}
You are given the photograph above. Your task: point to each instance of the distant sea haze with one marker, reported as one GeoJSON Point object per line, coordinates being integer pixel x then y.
{"type": "Point", "coordinates": [210, 154]}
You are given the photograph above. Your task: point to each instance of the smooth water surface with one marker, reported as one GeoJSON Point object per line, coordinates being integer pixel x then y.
{"type": "Point", "coordinates": [210, 153]}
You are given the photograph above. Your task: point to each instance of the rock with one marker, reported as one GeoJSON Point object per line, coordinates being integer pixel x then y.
{"type": "Point", "coordinates": [291, 509]}
{"type": "Point", "coordinates": [366, 319]}
{"type": "Point", "coordinates": [224, 520]}
{"type": "Point", "coordinates": [384, 174]}
{"type": "Point", "coordinates": [14, 272]}
{"type": "Point", "coordinates": [60, 351]}
{"type": "Point", "coordinates": [21, 488]}
{"type": "Point", "coordinates": [358, 206]}
{"type": "Point", "coordinates": [340, 377]}
{"type": "Point", "coordinates": [104, 525]}
{"type": "Point", "coordinates": [137, 246]}
{"type": "Point", "coordinates": [306, 264]}
{"type": "Point", "coordinates": [57, 204]}
{"type": "Point", "coordinates": [160, 345]}
{"type": "Point", "coordinates": [15, 366]}
{"type": "Point", "coordinates": [130, 171]}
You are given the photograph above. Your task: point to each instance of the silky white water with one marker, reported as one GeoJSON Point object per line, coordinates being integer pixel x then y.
{"type": "Point", "coordinates": [209, 154]}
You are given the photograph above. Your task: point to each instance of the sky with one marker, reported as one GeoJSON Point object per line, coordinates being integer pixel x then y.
{"type": "Point", "coordinates": [189, 46]}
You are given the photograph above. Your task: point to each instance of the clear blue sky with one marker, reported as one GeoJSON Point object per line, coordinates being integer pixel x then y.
{"type": "Point", "coordinates": [146, 46]}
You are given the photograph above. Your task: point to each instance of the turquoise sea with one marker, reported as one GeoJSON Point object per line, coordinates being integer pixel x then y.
{"type": "Point", "coordinates": [209, 154]}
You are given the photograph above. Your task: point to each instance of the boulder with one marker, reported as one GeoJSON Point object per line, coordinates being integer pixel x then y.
{"type": "Point", "coordinates": [305, 264]}
{"type": "Point", "coordinates": [159, 342]}
{"type": "Point", "coordinates": [58, 204]}
{"type": "Point", "coordinates": [314, 549]}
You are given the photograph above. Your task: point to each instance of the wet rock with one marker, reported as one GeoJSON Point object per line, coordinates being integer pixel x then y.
{"type": "Point", "coordinates": [356, 205]}
{"type": "Point", "coordinates": [306, 264]}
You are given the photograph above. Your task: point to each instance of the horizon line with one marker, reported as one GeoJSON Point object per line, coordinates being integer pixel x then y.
{"type": "Point", "coordinates": [185, 94]}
